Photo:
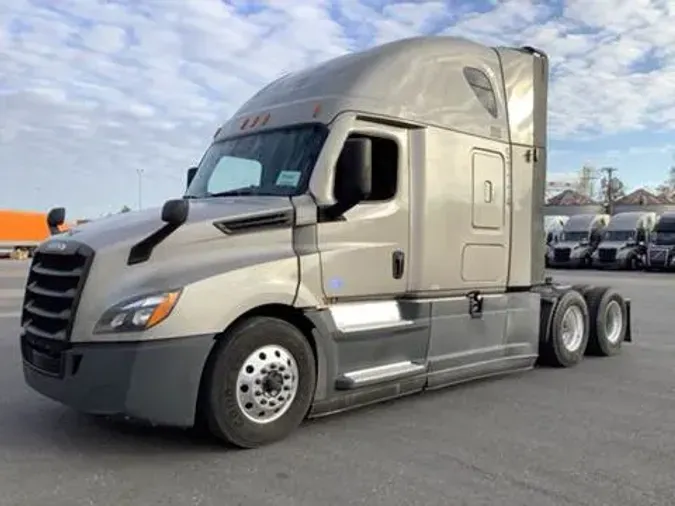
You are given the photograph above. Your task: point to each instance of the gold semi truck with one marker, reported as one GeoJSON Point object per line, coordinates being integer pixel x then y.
{"type": "Point", "coordinates": [364, 229]}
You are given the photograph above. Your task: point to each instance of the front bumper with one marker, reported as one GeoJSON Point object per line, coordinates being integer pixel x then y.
{"type": "Point", "coordinates": [572, 263]}
{"type": "Point", "coordinates": [154, 381]}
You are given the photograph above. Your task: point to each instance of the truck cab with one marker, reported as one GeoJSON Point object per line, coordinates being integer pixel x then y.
{"type": "Point", "coordinates": [580, 237]}
{"type": "Point", "coordinates": [661, 244]}
{"type": "Point", "coordinates": [624, 241]}
{"type": "Point", "coordinates": [364, 229]}
{"type": "Point", "coordinates": [553, 227]}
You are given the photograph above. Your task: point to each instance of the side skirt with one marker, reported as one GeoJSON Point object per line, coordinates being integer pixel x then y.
{"type": "Point", "coordinates": [376, 394]}
{"type": "Point", "coordinates": [425, 344]}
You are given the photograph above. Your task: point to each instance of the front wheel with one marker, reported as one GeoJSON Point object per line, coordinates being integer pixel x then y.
{"type": "Point", "coordinates": [259, 383]}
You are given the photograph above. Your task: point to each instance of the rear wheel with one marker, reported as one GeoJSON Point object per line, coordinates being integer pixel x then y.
{"type": "Point", "coordinates": [259, 384]}
{"type": "Point", "coordinates": [582, 289]}
{"type": "Point", "coordinates": [609, 317]}
{"type": "Point", "coordinates": [568, 336]}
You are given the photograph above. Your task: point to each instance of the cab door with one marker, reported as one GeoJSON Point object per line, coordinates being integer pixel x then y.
{"type": "Point", "coordinates": [365, 253]}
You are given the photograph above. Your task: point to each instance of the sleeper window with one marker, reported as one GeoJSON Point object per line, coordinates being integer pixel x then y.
{"type": "Point", "coordinates": [385, 168]}
{"type": "Point", "coordinates": [482, 88]}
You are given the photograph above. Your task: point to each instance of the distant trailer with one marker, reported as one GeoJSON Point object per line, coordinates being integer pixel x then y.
{"type": "Point", "coordinates": [23, 231]}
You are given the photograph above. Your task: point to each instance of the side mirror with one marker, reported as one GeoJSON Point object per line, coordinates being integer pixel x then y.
{"type": "Point", "coordinates": [175, 212]}
{"type": "Point", "coordinates": [191, 172]}
{"type": "Point", "coordinates": [55, 218]}
{"type": "Point", "coordinates": [353, 175]}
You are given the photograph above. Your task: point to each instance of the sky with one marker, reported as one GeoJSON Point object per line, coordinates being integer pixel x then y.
{"type": "Point", "coordinates": [101, 97]}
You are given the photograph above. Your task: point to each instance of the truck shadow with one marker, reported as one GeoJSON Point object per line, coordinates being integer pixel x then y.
{"type": "Point", "coordinates": [63, 430]}
{"type": "Point", "coordinates": [60, 429]}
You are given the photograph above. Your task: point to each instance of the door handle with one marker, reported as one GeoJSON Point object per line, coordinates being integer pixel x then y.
{"type": "Point", "coordinates": [398, 264]}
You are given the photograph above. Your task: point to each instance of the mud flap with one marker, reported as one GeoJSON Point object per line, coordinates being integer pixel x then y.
{"type": "Point", "coordinates": [629, 334]}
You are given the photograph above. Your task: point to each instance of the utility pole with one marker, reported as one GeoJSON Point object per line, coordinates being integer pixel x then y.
{"type": "Point", "coordinates": [609, 188]}
{"type": "Point", "coordinates": [140, 188]}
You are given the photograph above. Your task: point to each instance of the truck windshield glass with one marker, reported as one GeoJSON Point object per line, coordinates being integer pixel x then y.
{"type": "Point", "coordinates": [619, 235]}
{"type": "Point", "coordinates": [276, 162]}
{"type": "Point", "coordinates": [575, 236]}
{"type": "Point", "coordinates": [664, 238]}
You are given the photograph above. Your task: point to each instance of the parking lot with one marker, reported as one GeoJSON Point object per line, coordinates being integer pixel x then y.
{"type": "Point", "coordinates": [601, 433]}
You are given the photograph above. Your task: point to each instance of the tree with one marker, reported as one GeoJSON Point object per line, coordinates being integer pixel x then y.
{"type": "Point", "coordinates": [612, 188]}
{"type": "Point", "coordinates": [125, 209]}
{"type": "Point", "coordinates": [585, 181]}
{"type": "Point", "coordinates": [667, 188]}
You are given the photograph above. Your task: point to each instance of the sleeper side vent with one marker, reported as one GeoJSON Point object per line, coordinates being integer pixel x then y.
{"type": "Point", "coordinates": [256, 223]}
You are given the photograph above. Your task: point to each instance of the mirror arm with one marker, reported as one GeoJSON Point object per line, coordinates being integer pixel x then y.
{"type": "Point", "coordinates": [335, 211]}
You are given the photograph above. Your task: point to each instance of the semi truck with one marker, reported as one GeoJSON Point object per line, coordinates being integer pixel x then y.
{"type": "Point", "coordinates": [624, 241]}
{"type": "Point", "coordinates": [22, 231]}
{"type": "Point", "coordinates": [361, 230]}
{"type": "Point", "coordinates": [661, 245]}
{"type": "Point", "coordinates": [580, 238]}
{"type": "Point", "coordinates": [553, 228]}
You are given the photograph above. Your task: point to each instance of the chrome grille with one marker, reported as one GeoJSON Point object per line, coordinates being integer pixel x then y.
{"type": "Point", "coordinates": [657, 255]}
{"type": "Point", "coordinates": [562, 254]}
{"type": "Point", "coordinates": [607, 254]}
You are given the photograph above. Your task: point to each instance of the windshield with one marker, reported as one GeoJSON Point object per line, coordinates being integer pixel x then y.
{"type": "Point", "coordinates": [664, 238]}
{"type": "Point", "coordinates": [575, 236]}
{"type": "Point", "coordinates": [619, 235]}
{"type": "Point", "coordinates": [276, 162]}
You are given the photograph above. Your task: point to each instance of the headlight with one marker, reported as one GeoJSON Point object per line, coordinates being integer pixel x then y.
{"type": "Point", "coordinates": [139, 313]}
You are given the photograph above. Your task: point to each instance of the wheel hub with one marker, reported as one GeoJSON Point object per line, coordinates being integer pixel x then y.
{"type": "Point", "coordinates": [614, 322]}
{"type": "Point", "coordinates": [273, 383]}
{"type": "Point", "coordinates": [572, 328]}
{"type": "Point", "coordinates": [267, 383]}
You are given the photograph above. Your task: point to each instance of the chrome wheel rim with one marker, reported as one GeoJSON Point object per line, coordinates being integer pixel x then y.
{"type": "Point", "coordinates": [613, 322]}
{"type": "Point", "coordinates": [267, 384]}
{"type": "Point", "coordinates": [572, 328]}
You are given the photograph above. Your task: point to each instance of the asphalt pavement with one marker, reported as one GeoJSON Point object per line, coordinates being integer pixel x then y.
{"type": "Point", "coordinates": [602, 433]}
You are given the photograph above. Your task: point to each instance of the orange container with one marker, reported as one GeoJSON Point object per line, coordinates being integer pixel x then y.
{"type": "Point", "coordinates": [23, 227]}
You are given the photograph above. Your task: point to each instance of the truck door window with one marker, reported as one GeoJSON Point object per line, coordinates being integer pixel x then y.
{"type": "Point", "coordinates": [385, 168]}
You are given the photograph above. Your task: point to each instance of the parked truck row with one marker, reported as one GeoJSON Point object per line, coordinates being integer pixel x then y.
{"type": "Point", "coordinates": [361, 230]}
{"type": "Point", "coordinates": [631, 240]}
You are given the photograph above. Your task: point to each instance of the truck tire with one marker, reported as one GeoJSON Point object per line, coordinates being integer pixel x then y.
{"type": "Point", "coordinates": [582, 289]}
{"type": "Point", "coordinates": [608, 316]}
{"type": "Point", "coordinates": [259, 383]}
{"type": "Point", "coordinates": [569, 331]}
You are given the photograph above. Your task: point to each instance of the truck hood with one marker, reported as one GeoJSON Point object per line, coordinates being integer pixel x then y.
{"type": "Point", "coordinates": [125, 229]}
{"type": "Point", "coordinates": [617, 245]}
{"type": "Point", "coordinates": [570, 245]}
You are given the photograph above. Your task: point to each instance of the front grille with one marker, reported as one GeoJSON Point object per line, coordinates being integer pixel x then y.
{"type": "Point", "coordinates": [562, 254]}
{"type": "Point", "coordinates": [607, 254]}
{"type": "Point", "coordinates": [55, 281]}
{"type": "Point", "coordinates": [657, 256]}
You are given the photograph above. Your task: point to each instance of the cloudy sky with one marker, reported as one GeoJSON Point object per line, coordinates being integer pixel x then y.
{"type": "Point", "coordinates": [91, 91]}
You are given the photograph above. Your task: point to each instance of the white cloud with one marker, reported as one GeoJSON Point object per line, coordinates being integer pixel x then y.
{"type": "Point", "coordinates": [91, 91]}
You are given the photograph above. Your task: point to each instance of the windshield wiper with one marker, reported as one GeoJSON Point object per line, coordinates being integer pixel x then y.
{"type": "Point", "coordinates": [239, 192]}
{"type": "Point", "coordinates": [236, 193]}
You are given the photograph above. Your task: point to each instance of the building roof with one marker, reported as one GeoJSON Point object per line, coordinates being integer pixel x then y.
{"type": "Point", "coordinates": [570, 198]}
{"type": "Point", "coordinates": [642, 197]}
